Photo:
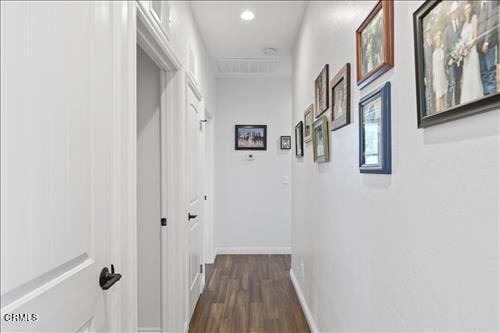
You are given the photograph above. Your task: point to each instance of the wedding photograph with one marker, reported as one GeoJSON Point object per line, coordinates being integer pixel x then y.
{"type": "Point", "coordinates": [460, 61]}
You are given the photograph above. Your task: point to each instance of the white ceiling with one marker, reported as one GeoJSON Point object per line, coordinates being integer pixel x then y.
{"type": "Point", "coordinates": [227, 36]}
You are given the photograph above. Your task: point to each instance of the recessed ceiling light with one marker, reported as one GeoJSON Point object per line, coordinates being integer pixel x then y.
{"type": "Point", "coordinates": [247, 15]}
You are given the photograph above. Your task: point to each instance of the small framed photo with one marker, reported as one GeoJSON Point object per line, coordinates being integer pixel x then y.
{"type": "Point", "coordinates": [321, 92]}
{"type": "Point", "coordinates": [250, 137]}
{"type": "Point", "coordinates": [375, 131]}
{"type": "Point", "coordinates": [375, 43]}
{"type": "Point", "coordinates": [286, 142]}
{"type": "Point", "coordinates": [341, 98]}
{"type": "Point", "coordinates": [457, 60]}
{"type": "Point", "coordinates": [308, 123]}
{"type": "Point", "coordinates": [299, 139]}
{"type": "Point", "coordinates": [321, 141]}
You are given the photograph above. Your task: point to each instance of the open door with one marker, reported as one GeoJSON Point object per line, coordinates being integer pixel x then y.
{"type": "Point", "coordinates": [62, 176]}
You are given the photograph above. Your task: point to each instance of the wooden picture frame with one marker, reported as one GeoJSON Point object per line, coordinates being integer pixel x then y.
{"type": "Point", "coordinates": [368, 41]}
{"type": "Point", "coordinates": [375, 131]}
{"type": "Point", "coordinates": [321, 140]}
{"type": "Point", "coordinates": [321, 93]}
{"type": "Point", "coordinates": [430, 20]}
{"type": "Point", "coordinates": [308, 123]}
{"type": "Point", "coordinates": [340, 87]}
{"type": "Point", "coordinates": [299, 139]}
{"type": "Point", "coordinates": [250, 137]}
{"type": "Point", "coordinates": [285, 142]}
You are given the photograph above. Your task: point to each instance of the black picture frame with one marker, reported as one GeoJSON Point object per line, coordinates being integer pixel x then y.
{"type": "Point", "coordinates": [299, 139]}
{"type": "Point", "coordinates": [283, 142]}
{"type": "Point", "coordinates": [241, 129]}
{"type": "Point", "coordinates": [384, 165]}
{"type": "Point", "coordinates": [486, 103]}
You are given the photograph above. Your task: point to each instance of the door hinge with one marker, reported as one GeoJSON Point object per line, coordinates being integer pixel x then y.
{"type": "Point", "coordinates": [163, 221]}
{"type": "Point", "coordinates": [201, 268]}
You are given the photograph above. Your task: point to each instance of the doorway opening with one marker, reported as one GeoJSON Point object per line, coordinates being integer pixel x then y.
{"type": "Point", "coordinates": [149, 261]}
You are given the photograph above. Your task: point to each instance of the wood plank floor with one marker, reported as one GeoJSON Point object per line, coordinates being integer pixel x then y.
{"type": "Point", "coordinates": [249, 293]}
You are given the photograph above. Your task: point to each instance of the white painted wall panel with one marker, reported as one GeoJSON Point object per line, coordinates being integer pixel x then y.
{"type": "Point", "coordinates": [252, 208]}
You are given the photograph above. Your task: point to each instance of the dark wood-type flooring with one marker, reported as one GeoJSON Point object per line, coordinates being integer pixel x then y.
{"type": "Point", "coordinates": [249, 293]}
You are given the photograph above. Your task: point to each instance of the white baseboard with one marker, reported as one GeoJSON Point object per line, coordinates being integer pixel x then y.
{"type": "Point", "coordinates": [303, 303]}
{"type": "Point", "coordinates": [148, 329]}
{"type": "Point", "coordinates": [253, 250]}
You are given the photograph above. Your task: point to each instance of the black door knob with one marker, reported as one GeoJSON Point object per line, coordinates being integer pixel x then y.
{"type": "Point", "coordinates": [107, 278]}
{"type": "Point", "coordinates": [191, 216]}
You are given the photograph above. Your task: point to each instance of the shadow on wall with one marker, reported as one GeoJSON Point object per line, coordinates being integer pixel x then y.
{"type": "Point", "coordinates": [463, 129]}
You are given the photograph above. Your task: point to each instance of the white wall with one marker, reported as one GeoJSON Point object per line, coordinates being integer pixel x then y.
{"type": "Point", "coordinates": [413, 251]}
{"type": "Point", "coordinates": [148, 193]}
{"type": "Point", "coordinates": [252, 207]}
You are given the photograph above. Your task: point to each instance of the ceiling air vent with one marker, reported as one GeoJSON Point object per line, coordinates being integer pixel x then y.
{"type": "Point", "coordinates": [246, 66]}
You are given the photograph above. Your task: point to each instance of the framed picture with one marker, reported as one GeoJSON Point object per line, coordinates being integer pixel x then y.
{"type": "Point", "coordinates": [250, 137]}
{"type": "Point", "coordinates": [341, 98]}
{"type": "Point", "coordinates": [321, 92]}
{"type": "Point", "coordinates": [375, 131]}
{"type": "Point", "coordinates": [299, 139]}
{"type": "Point", "coordinates": [457, 59]}
{"type": "Point", "coordinates": [286, 142]}
{"type": "Point", "coordinates": [308, 123]}
{"type": "Point", "coordinates": [321, 141]}
{"type": "Point", "coordinates": [375, 43]}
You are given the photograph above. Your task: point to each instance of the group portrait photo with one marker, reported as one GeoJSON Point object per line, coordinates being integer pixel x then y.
{"type": "Point", "coordinates": [461, 58]}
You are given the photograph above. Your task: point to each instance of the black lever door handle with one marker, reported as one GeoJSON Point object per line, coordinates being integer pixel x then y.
{"type": "Point", "coordinates": [191, 216]}
{"type": "Point", "coordinates": [107, 278]}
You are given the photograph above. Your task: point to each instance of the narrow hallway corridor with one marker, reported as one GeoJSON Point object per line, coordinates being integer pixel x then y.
{"type": "Point", "coordinates": [249, 293]}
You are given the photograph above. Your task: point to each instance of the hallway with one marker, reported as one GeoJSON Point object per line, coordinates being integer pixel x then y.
{"type": "Point", "coordinates": [249, 293]}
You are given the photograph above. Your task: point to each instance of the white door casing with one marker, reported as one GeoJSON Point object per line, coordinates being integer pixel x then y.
{"type": "Point", "coordinates": [67, 155]}
{"type": "Point", "coordinates": [194, 131]}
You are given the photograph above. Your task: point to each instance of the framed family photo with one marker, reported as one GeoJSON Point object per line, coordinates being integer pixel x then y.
{"type": "Point", "coordinates": [250, 137]}
{"type": "Point", "coordinates": [375, 43]}
{"type": "Point", "coordinates": [321, 97]}
{"type": "Point", "coordinates": [457, 59]}
{"type": "Point", "coordinates": [341, 98]}
{"type": "Point", "coordinates": [308, 123]}
{"type": "Point", "coordinates": [299, 139]}
{"type": "Point", "coordinates": [321, 141]}
{"type": "Point", "coordinates": [286, 142]}
{"type": "Point", "coordinates": [375, 131]}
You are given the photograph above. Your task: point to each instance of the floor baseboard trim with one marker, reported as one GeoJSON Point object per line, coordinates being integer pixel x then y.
{"type": "Point", "coordinates": [303, 303]}
{"type": "Point", "coordinates": [148, 329]}
{"type": "Point", "coordinates": [253, 250]}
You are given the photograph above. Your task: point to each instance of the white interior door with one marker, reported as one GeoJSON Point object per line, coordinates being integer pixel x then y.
{"type": "Point", "coordinates": [193, 160]}
{"type": "Point", "coordinates": [59, 165]}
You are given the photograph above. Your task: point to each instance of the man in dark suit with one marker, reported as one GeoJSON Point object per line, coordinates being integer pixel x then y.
{"type": "Point", "coordinates": [429, 92]}
{"type": "Point", "coordinates": [453, 71]}
{"type": "Point", "coordinates": [487, 40]}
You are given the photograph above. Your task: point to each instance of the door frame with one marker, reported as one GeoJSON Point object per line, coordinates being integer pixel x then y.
{"type": "Point", "coordinates": [153, 41]}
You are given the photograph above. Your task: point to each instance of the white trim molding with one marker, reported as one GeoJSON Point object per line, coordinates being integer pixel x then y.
{"type": "Point", "coordinates": [253, 250]}
{"type": "Point", "coordinates": [303, 303]}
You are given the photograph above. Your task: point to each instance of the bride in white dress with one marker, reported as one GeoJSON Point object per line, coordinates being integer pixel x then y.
{"type": "Point", "coordinates": [472, 87]}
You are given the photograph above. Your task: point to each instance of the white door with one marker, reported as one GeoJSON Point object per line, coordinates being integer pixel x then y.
{"type": "Point", "coordinates": [193, 160]}
{"type": "Point", "coordinates": [59, 165]}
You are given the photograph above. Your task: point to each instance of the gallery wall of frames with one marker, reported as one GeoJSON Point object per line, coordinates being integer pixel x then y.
{"type": "Point", "coordinates": [457, 66]}
{"type": "Point", "coordinates": [395, 175]}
